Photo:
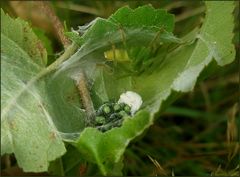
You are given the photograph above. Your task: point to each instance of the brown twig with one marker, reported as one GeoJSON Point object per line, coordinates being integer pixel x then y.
{"type": "Point", "coordinates": [57, 25]}
{"type": "Point", "coordinates": [81, 80]}
{"type": "Point", "coordinates": [85, 98]}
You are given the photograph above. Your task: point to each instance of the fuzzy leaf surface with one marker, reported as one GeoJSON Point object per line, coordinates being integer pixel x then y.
{"type": "Point", "coordinates": [27, 129]}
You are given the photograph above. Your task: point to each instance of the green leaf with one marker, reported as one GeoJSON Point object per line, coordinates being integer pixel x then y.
{"type": "Point", "coordinates": [171, 74]}
{"type": "Point", "coordinates": [144, 16]}
{"type": "Point", "coordinates": [212, 44]}
{"type": "Point", "coordinates": [27, 128]}
{"type": "Point", "coordinates": [21, 34]}
{"type": "Point", "coordinates": [126, 20]}
{"type": "Point", "coordinates": [106, 149]}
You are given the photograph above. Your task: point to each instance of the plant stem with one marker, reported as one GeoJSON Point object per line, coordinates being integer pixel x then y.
{"type": "Point", "coordinates": [78, 8]}
{"type": "Point", "coordinates": [69, 51]}
{"type": "Point", "coordinates": [86, 99]}
{"type": "Point", "coordinates": [57, 25]}
{"type": "Point", "coordinates": [206, 97]}
{"type": "Point", "coordinates": [190, 13]}
{"type": "Point", "coordinates": [7, 161]}
{"type": "Point", "coordinates": [61, 167]}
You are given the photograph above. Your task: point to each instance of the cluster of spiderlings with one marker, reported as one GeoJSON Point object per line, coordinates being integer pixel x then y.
{"type": "Point", "coordinates": [111, 115]}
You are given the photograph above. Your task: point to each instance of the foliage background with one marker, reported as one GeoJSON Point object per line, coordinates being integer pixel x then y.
{"type": "Point", "coordinates": [190, 137]}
